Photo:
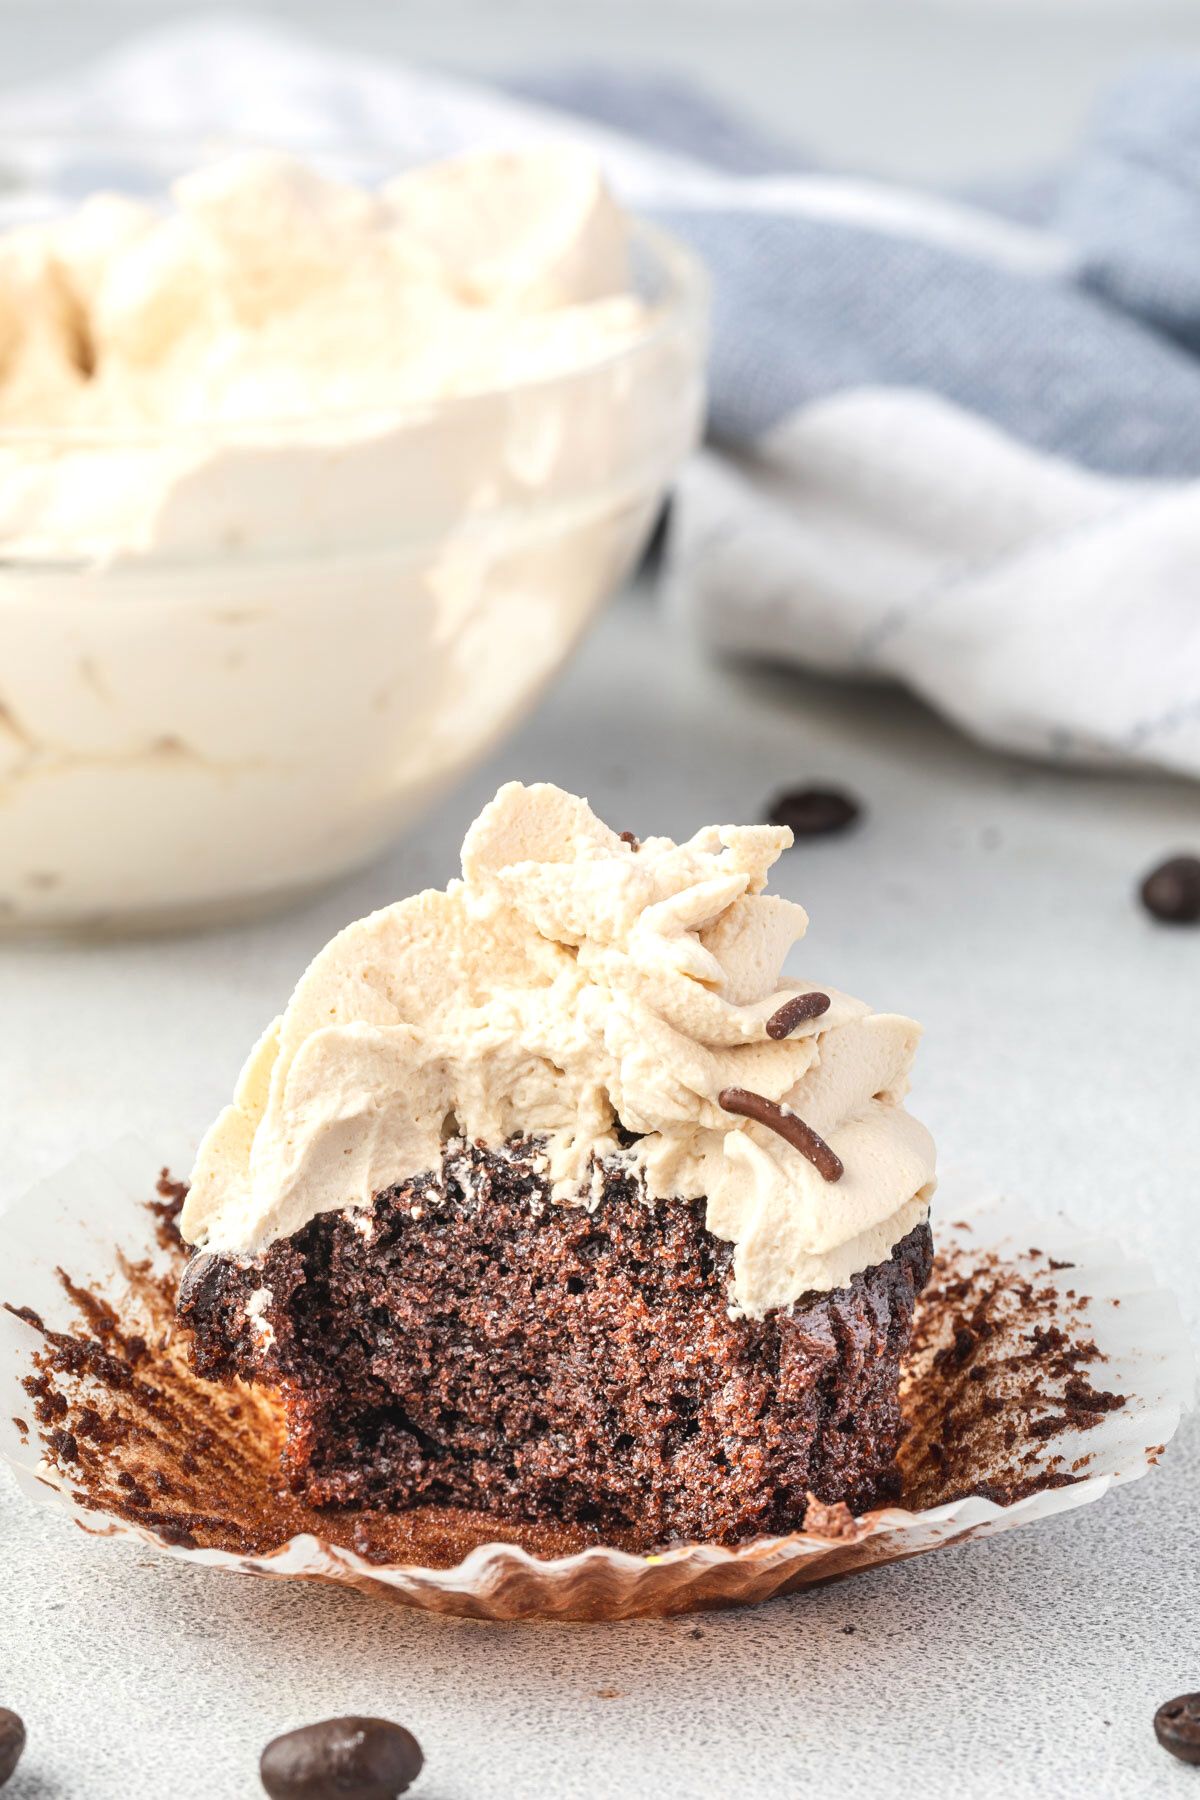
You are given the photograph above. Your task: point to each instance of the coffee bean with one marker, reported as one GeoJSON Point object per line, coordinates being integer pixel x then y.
{"type": "Point", "coordinates": [1172, 891]}
{"type": "Point", "coordinates": [12, 1742]}
{"type": "Point", "coordinates": [1177, 1727]}
{"type": "Point", "coordinates": [341, 1759]}
{"type": "Point", "coordinates": [814, 812]}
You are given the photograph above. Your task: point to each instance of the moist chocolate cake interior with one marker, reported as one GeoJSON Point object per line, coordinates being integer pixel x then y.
{"type": "Point", "coordinates": [469, 1342]}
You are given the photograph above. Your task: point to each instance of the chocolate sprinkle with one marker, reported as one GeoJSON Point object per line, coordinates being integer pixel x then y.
{"type": "Point", "coordinates": [783, 1121]}
{"type": "Point", "coordinates": [794, 1012]}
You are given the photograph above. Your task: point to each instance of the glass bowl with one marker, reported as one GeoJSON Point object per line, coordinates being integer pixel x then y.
{"type": "Point", "coordinates": [331, 620]}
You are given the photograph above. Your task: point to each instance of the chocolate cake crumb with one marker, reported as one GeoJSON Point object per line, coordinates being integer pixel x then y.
{"type": "Point", "coordinates": [167, 1208]}
{"type": "Point", "coordinates": [836, 1521]}
{"type": "Point", "coordinates": [1083, 1398]}
{"type": "Point", "coordinates": [979, 1415]}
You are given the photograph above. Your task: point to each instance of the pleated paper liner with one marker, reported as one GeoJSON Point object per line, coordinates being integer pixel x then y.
{"type": "Point", "coordinates": [1046, 1368]}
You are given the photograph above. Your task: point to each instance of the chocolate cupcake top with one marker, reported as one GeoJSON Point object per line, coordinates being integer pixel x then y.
{"type": "Point", "coordinates": [583, 989]}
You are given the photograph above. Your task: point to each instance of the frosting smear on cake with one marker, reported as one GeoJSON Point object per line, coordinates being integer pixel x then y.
{"type": "Point", "coordinates": [583, 990]}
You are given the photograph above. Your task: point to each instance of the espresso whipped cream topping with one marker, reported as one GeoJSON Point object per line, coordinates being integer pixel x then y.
{"type": "Point", "coordinates": [577, 988]}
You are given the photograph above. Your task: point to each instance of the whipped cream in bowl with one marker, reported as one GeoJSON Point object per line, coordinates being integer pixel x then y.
{"type": "Point", "coordinates": [306, 489]}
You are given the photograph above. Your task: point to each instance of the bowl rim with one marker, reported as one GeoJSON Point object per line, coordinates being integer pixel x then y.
{"type": "Point", "coordinates": [683, 303]}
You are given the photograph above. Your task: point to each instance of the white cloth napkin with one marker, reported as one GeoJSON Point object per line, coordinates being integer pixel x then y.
{"type": "Point", "coordinates": [954, 443]}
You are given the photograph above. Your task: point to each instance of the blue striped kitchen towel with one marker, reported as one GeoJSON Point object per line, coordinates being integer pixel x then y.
{"type": "Point", "coordinates": [954, 442]}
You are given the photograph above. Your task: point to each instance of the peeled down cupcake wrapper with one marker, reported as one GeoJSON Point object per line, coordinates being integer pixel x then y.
{"type": "Point", "coordinates": [1046, 1368]}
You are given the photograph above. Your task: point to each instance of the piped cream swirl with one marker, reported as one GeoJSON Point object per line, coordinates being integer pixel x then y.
{"type": "Point", "coordinates": [569, 985]}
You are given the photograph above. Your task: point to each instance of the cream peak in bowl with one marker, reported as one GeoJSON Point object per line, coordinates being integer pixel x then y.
{"type": "Point", "coordinates": [617, 1003]}
{"type": "Point", "coordinates": [269, 297]}
{"type": "Point", "coordinates": [267, 290]}
{"type": "Point", "coordinates": [306, 491]}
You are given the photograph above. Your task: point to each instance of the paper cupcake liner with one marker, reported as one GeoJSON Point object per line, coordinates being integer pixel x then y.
{"type": "Point", "coordinates": [1047, 1368]}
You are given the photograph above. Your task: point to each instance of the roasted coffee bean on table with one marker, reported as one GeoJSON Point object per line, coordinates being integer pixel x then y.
{"type": "Point", "coordinates": [814, 811]}
{"type": "Point", "coordinates": [341, 1759]}
{"type": "Point", "coordinates": [1172, 891]}
{"type": "Point", "coordinates": [12, 1742]}
{"type": "Point", "coordinates": [1177, 1727]}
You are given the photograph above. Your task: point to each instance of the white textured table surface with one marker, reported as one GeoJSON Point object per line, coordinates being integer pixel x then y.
{"type": "Point", "coordinates": [992, 900]}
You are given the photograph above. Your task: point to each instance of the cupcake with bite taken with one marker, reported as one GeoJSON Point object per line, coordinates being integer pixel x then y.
{"type": "Point", "coordinates": [548, 1197]}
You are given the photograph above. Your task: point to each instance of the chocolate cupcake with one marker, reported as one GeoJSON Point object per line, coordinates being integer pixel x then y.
{"type": "Point", "coordinates": [548, 1198]}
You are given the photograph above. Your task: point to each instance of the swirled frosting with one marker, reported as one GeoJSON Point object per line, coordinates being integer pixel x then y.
{"type": "Point", "coordinates": [578, 988]}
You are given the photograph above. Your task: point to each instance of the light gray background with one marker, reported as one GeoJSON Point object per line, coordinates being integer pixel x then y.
{"type": "Point", "coordinates": [990, 898]}
{"type": "Point", "coordinates": [943, 88]}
